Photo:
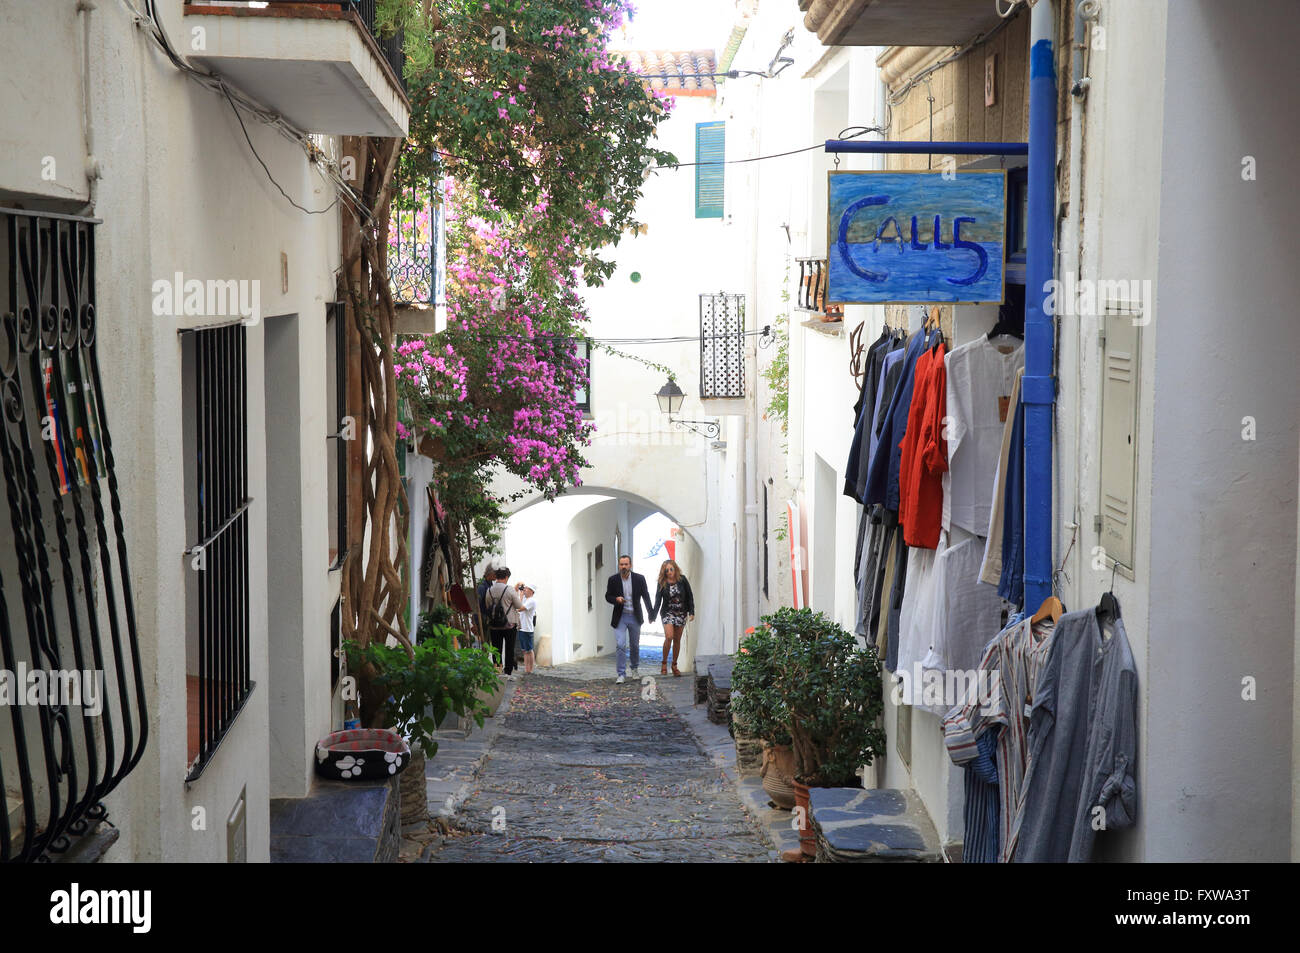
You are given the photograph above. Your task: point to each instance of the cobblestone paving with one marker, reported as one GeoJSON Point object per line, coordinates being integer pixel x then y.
{"type": "Point", "coordinates": [608, 777]}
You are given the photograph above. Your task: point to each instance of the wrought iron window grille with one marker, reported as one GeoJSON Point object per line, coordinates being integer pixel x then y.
{"type": "Point", "coordinates": [218, 586]}
{"type": "Point", "coordinates": [65, 582]}
{"type": "Point", "coordinates": [416, 244]}
{"type": "Point", "coordinates": [722, 345]}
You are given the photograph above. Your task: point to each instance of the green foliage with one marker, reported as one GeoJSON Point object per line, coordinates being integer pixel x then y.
{"type": "Point", "coordinates": [523, 100]}
{"type": "Point", "coordinates": [777, 373]}
{"type": "Point", "coordinates": [440, 680]}
{"type": "Point", "coordinates": [755, 704]}
{"type": "Point", "coordinates": [540, 142]}
{"type": "Point", "coordinates": [827, 689]}
{"type": "Point", "coordinates": [440, 615]}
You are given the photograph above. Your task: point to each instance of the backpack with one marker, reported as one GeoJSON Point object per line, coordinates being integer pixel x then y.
{"type": "Point", "coordinates": [497, 617]}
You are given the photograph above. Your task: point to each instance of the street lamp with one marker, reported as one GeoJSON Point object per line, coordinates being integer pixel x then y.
{"type": "Point", "coordinates": [670, 399]}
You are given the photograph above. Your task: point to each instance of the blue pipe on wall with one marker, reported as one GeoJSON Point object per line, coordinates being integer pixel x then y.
{"type": "Point", "coordinates": [1038, 389]}
{"type": "Point", "coordinates": [928, 148]}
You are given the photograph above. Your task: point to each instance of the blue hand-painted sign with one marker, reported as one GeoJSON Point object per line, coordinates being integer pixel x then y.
{"type": "Point", "coordinates": [915, 237]}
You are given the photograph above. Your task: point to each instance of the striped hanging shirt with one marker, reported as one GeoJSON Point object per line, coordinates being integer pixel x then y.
{"type": "Point", "coordinates": [1000, 697]}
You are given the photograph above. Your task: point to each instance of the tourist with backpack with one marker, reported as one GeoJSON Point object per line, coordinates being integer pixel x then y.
{"type": "Point", "coordinates": [503, 604]}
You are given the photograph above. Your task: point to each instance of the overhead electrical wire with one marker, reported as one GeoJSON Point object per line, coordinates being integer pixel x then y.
{"type": "Point", "coordinates": [323, 164]}
{"type": "Point", "coordinates": [862, 131]}
{"type": "Point", "coordinates": [674, 339]}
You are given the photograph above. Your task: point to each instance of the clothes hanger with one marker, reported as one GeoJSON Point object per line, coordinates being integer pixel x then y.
{"type": "Point", "coordinates": [931, 325]}
{"type": "Point", "coordinates": [1052, 608]}
{"type": "Point", "coordinates": [1004, 329]}
{"type": "Point", "coordinates": [1006, 325]}
{"type": "Point", "coordinates": [1108, 608]}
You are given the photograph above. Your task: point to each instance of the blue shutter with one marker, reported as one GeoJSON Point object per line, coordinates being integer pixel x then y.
{"type": "Point", "coordinates": [709, 148]}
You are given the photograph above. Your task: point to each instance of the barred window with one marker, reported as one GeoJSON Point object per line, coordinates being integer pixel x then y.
{"type": "Point", "coordinates": [217, 662]}
{"type": "Point", "coordinates": [66, 608]}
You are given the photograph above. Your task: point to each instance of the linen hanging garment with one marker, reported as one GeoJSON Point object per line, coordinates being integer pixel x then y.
{"type": "Point", "coordinates": [1010, 667]}
{"type": "Point", "coordinates": [864, 412]}
{"type": "Point", "coordinates": [962, 612]}
{"type": "Point", "coordinates": [886, 647]}
{"type": "Point", "coordinates": [991, 568]}
{"type": "Point", "coordinates": [882, 475]}
{"type": "Point", "coordinates": [980, 806]}
{"type": "Point", "coordinates": [891, 374]}
{"type": "Point", "coordinates": [1082, 743]}
{"type": "Point", "coordinates": [914, 613]}
{"type": "Point", "coordinates": [980, 378]}
{"type": "Point", "coordinates": [923, 456]}
{"type": "Point", "coordinates": [1012, 584]}
{"type": "Point", "coordinates": [869, 533]}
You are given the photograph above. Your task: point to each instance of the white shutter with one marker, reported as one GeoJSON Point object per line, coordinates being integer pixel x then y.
{"type": "Point", "coordinates": [1120, 360]}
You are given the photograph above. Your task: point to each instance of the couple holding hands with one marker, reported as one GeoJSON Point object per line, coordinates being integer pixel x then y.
{"type": "Point", "coordinates": [626, 590]}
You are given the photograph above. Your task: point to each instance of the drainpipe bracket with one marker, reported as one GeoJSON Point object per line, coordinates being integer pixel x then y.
{"type": "Point", "coordinates": [1038, 390]}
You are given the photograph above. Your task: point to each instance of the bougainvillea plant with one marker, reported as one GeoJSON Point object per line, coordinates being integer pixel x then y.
{"type": "Point", "coordinates": [496, 390]}
{"type": "Point", "coordinates": [524, 100]}
{"type": "Point", "coordinates": [541, 140]}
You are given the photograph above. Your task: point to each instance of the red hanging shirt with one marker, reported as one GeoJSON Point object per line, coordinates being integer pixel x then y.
{"type": "Point", "coordinates": [924, 454]}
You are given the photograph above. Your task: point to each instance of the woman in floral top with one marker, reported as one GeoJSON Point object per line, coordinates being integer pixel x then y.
{"type": "Point", "coordinates": [674, 595]}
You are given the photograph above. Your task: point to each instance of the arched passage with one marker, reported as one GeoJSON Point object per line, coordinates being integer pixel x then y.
{"type": "Point", "coordinates": [567, 549]}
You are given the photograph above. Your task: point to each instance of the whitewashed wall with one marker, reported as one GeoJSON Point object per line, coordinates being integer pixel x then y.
{"type": "Point", "coordinates": [181, 192]}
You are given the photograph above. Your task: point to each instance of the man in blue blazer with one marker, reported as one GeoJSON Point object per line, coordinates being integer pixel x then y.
{"type": "Point", "coordinates": [625, 591]}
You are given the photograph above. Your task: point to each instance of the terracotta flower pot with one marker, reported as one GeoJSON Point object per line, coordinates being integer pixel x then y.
{"type": "Point", "coordinates": [778, 775]}
{"type": "Point", "coordinates": [807, 838]}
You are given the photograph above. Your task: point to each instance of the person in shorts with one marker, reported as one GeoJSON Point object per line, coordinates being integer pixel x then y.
{"type": "Point", "coordinates": [527, 625]}
{"type": "Point", "coordinates": [675, 605]}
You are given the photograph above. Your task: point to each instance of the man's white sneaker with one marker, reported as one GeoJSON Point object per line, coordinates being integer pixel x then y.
{"type": "Point", "coordinates": [636, 673]}
{"type": "Point", "coordinates": [619, 680]}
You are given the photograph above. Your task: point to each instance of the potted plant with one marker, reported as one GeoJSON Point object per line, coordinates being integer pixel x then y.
{"type": "Point", "coordinates": [760, 713]}
{"type": "Point", "coordinates": [831, 694]}
{"type": "Point", "coordinates": [438, 679]}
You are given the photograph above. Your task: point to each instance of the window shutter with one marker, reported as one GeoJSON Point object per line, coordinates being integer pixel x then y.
{"type": "Point", "coordinates": [1119, 419]}
{"type": "Point", "coordinates": [709, 148]}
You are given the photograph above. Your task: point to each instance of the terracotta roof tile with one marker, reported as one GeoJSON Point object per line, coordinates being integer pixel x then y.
{"type": "Point", "coordinates": [678, 71]}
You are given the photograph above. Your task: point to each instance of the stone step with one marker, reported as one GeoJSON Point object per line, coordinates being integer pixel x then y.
{"type": "Point", "coordinates": [338, 822]}
{"type": "Point", "coordinates": [871, 826]}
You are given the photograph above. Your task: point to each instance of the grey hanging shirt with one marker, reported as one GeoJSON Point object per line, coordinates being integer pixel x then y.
{"type": "Point", "coordinates": [1082, 742]}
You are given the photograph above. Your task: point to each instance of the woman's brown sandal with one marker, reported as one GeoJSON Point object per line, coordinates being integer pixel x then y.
{"type": "Point", "coordinates": [675, 672]}
{"type": "Point", "coordinates": [663, 669]}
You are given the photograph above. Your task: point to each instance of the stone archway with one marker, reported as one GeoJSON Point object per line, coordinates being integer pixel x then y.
{"type": "Point", "coordinates": [568, 553]}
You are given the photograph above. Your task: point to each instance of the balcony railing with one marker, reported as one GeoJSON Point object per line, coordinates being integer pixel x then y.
{"type": "Point", "coordinates": [66, 611]}
{"type": "Point", "coordinates": [414, 244]}
{"type": "Point", "coordinates": [391, 46]}
{"type": "Point", "coordinates": [811, 296]}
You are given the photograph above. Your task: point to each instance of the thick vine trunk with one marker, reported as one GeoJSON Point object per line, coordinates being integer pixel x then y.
{"type": "Point", "coordinates": [375, 584]}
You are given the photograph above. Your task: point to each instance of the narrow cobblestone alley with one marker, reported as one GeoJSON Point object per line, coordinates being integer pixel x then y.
{"type": "Point", "coordinates": [583, 769]}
